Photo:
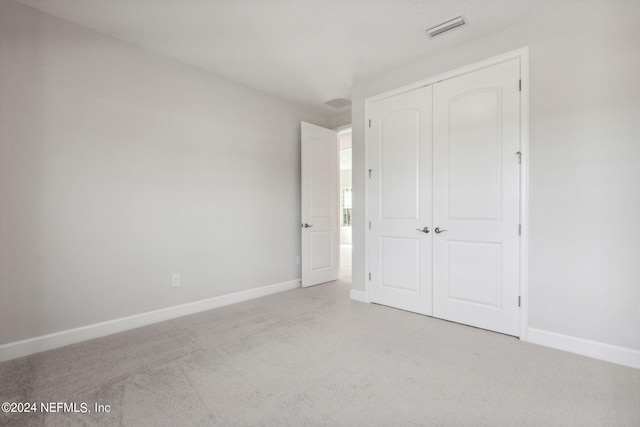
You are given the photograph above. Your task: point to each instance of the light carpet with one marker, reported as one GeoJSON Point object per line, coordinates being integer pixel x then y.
{"type": "Point", "coordinates": [312, 357]}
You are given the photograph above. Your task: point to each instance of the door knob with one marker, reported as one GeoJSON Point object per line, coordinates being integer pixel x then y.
{"type": "Point", "coordinates": [305, 225]}
{"type": "Point", "coordinates": [439, 230]}
{"type": "Point", "coordinates": [424, 230]}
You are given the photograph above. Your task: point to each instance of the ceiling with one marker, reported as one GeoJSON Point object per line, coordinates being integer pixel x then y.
{"type": "Point", "coordinates": [304, 51]}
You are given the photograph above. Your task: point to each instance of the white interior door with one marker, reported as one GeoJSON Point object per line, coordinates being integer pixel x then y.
{"type": "Point", "coordinates": [476, 198]}
{"type": "Point", "coordinates": [319, 210]}
{"type": "Point", "coordinates": [399, 207]}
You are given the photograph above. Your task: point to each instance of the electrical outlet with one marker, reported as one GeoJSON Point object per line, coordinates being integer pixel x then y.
{"type": "Point", "coordinates": [175, 280]}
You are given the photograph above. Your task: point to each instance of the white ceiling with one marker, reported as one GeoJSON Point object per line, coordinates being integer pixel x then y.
{"type": "Point", "coordinates": [305, 51]}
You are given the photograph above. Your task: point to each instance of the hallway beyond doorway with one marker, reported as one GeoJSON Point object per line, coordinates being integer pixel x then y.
{"type": "Point", "coordinates": [344, 141]}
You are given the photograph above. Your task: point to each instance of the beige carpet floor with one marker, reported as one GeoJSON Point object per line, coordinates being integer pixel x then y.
{"type": "Point", "coordinates": [312, 357]}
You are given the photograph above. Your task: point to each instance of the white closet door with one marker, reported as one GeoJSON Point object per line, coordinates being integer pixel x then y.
{"type": "Point", "coordinates": [476, 198]}
{"type": "Point", "coordinates": [399, 159]}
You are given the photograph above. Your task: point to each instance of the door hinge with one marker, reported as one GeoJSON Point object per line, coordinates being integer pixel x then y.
{"type": "Point", "coordinates": [369, 276]}
{"type": "Point", "coordinates": [369, 225]}
{"type": "Point", "coordinates": [519, 229]}
{"type": "Point", "coordinates": [518, 300]}
{"type": "Point", "coordinates": [369, 173]}
{"type": "Point", "coordinates": [520, 85]}
{"type": "Point", "coordinates": [519, 154]}
{"type": "Point", "coordinates": [369, 122]}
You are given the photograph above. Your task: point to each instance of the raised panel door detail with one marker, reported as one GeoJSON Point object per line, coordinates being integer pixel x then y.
{"type": "Point", "coordinates": [321, 249]}
{"type": "Point", "coordinates": [321, 182]}
{"type": "Point", "coordinates": [400, 169]}
{"type": "Point", "coordinates": [475, 148]}
{"type": "Point", "coordinates": [475, 272]}
{"type": "Point", "coordinates": [400, 260]}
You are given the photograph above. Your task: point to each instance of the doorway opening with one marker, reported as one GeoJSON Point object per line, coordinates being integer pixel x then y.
{"type": "Point", "coordinates": [346, 203]}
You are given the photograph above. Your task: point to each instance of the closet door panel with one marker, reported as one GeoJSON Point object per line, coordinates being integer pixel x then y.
{"type": "Point", "coordinates": [399, 164]}
{"type": "Point", "coordinates": [476, 198]}
{"type": "Point", "coordinates": [474, 156]}
{"type": "Point", "coordinates": [399, 189]}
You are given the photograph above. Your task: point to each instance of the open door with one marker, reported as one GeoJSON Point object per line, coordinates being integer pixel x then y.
{"type": "Point", "coordinates": [319, 211]}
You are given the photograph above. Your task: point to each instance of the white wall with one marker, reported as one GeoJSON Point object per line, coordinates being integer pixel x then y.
{"type": "Point", "coordinates": [584, 261]}
{"type": "Point", "coordinates": [120, 167]}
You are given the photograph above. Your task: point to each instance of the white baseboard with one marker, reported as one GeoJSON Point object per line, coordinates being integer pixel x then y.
{"type": "Point", "coordinates": [360, 296]}
{"type": "Point", "coordinates": [60, 339]}
{"type": "Point", "coordinates": [597, 350]}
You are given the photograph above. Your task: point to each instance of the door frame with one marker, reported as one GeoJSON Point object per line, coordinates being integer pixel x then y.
{"type": "Point", "coordinates": [523, 55]}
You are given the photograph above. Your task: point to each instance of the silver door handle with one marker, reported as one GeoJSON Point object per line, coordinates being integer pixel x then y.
{"type": "Point", "coordinates": [305, 225]}
{"type": "Point", "coordinates": [439, 230]}
{"type": "Point", "coordinates": [424, 230]}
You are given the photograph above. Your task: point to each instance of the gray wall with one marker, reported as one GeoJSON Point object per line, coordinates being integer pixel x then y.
{"type": "Point", "coordinates": [585, 164]}
{"type": "Point", "coordinates": [120, 167]}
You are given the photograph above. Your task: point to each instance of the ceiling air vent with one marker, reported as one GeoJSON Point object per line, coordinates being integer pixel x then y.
{"type": "Point", "coordinates": [445, 26]}
{"type": "Point", "coordinates": [338, 103]}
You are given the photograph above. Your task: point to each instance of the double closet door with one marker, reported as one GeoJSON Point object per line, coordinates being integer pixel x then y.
{"type": "Point", "coordinates": [443, 199]}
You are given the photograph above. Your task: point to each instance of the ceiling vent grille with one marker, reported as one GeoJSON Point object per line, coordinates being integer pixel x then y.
{"type": "Point", "coordinates": [338, 103]}
{"type": "Point", "coordinates": [445, 26]}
